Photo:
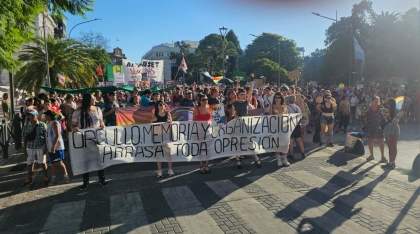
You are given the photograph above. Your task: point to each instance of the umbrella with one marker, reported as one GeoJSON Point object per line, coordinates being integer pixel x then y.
{"type": "Point", "coordinates": [155, 89]}
{"type": "Point", "coordinates": [225, 81]}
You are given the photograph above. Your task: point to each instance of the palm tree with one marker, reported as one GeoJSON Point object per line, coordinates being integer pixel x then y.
{"type": "Point", "coordinates": [66, 57]}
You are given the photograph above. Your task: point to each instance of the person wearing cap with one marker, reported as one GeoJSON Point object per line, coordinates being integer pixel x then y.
{"type": "Point", "coordinates": [111, 105]}
{"type": "Point", "coordinates": [188, 100]}
{"type": "Point", "coordinates": [34, 145]}
{"type": "Point", "coordinates": [268, 99]}
{"type": "Point", "coordinates": [55, 146]}
{"type": "Point", "coordinates": [145, 98]}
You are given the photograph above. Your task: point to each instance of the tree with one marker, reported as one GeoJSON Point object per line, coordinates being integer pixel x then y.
{"type": "Point", "coordinates": [267, 46]}
{"type": "Point", "coordinates": [16, 23]}
{"type": "Point", "coordinates": [211, 53]}
{"type": "Point", "coordinates": [99, 56]}
{"type": "Point", "coordinates": [94, 39]}
{"type": "Point", "coordinates": [232, 62]}
{"type": "Point", "coordinates": [66, 57]}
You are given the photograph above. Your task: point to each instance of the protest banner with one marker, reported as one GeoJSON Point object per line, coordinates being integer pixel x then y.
{"type": "Point", "coordinates": [146, 70]}
{"type": "Point", "coordinates": [96, 149]}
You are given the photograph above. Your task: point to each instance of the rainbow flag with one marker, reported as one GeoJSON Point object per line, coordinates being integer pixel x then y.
{"type": "Point", "coordinates": [399, 101]}
{"type": "Point", "coordinates": [217, 79]}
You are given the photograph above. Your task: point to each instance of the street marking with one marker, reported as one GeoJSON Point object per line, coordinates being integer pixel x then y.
{"type": "Point", "coordinates": [188, 211]}
{"type": "Point", "coordinates": [227, 190]}
{"type": "Point", "coordinates": [65, 217]}
{"type": "Point", "coordinates": [127, 214]}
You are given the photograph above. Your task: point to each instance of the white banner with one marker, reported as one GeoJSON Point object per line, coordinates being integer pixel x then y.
{"type": "Point", "coordinates": [96, 149]}
{"type": "Point", "coordinates": [150, 70]}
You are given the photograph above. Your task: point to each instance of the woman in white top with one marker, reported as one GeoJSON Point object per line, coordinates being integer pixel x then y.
{"type": "Point", "coordinates": [89, 116]}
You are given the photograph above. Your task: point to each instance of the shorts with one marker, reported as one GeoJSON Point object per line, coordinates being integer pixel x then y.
{"type": "Point", "coordinates": [392, 129]}
{"type": "Point", "coordinates": [353, 110]}
{"type": "Point", "coordinates": [35, 155]}
{"type": "Point", "coordinates": [296, 132]}
{"type": "Point", "coordinates": [327, 120]}
{"type": "Point", "coordinates": [56, 157]}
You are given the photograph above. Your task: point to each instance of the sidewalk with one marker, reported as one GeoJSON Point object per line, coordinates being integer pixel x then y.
{"type": "Point", "coordinates": [328, 192]}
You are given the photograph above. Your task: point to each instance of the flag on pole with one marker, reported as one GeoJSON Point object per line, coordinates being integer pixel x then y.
{"type": "Point", "coordinates": [183, 65]}
{"type": "Point", "coordinates": [61, 79]}
{"type": "Point", "coordinates": [359, 54]}
{"type": "Point", "coordinates": [99, 70]}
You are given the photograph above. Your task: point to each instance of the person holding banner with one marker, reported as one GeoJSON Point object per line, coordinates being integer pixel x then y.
{"type": "Point", "coordinates": [203, 113]}
{"type": "Point", "coordinates": [240, 109]}
{"type": "Point", "coordinates": [278, 108]}
{"type": "Point", "coordinates": [160, 115]}
{"type": "Point", "coordinates": [89, 116]}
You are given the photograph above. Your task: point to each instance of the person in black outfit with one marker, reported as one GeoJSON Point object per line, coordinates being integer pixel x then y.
{"type": "Point", "coordinates": [177, 98]}
{"type": "Point", "coordinates": [214, 96]}
{"type": "Point", "coordinates": [189, 100]}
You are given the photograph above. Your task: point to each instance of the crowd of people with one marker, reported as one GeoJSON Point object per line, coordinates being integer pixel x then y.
{"type": "Point", "coordinates": [48, 118]}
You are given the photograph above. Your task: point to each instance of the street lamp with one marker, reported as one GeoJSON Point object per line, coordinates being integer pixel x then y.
{"type": "Point", "coordinates": [279, 54]}
{"type": "Point", "coordinates": [301, 49]}
{"type": "Point", "coordinates": [82, 23]}
{"type": "Point", "coordinates": [223, 34]}
{"type": "Point", "coordinates": [351, 29]}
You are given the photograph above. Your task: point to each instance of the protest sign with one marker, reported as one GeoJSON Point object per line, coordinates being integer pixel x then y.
{"type": "Point", "coordinates": [96, 149]}
{"type": "Point", "coordinates": [147, 70]}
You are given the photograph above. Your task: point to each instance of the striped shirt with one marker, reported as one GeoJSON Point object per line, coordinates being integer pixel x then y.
{"type": "Point", "coordinates": [39, 141]}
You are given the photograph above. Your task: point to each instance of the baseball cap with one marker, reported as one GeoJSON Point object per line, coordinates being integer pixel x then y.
{"type": "Point", "coordinates": [284, 88]}
{"type": "Point", "coordinates": [188, 91]}
{"type": "Point", "coordinates": [69, 96]}
{"type": "Point", "coordinates": [345, 95]}
{"type": "Point", "coordinates": [32, 112]}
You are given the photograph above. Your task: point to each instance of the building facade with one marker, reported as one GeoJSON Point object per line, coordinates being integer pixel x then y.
{"type": "Point", "coordinates": [117, 56]}
{"type": "Point", "coordinates": [163, 52]}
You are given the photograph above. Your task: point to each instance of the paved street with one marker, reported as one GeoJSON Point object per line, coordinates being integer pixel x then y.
{"type": "Point", "coordinates": [328, 192]}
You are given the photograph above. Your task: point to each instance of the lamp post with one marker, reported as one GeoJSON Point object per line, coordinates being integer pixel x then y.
{"type": "Point", "coordinates": [279, 55]}
{"type": "Point", "coordinates": [351, 33]}
{"type": "Point", "coordinates": [301, 49]}
{"type": "Point", "coordinates": [223, 34]}
{"type": "Point", "coordinates": [82, 23]}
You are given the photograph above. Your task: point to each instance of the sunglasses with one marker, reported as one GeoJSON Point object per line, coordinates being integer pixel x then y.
{"type": "Point", "coordinates": [277, 97]}
{"type": "Point", "coordinates": [204, 100]}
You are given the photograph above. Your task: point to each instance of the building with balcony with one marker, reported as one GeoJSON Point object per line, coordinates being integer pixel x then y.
{"type": "Point", "coordinates": [163, 52]}
{"type": "Point", "coordinates": [117, 56]}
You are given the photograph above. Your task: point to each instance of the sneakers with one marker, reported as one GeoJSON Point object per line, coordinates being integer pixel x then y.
{"type": "Point", "coordinates": [370, 158]}
{"type": "Point", "coordinates": [258, 163]}
{"type": "Point", "coordinates": [303, 155]}
{"type": "Point", "coordinates": [390, 166]}
{"type": "Point", "coordinates": [290, 156]}
{"type": "Point", "coordinates": [27, 182]}
{"type": "Point", "coordinates": [84, 186]}
{"type": "Point", "coordinates": [309, 132]}
{"type": "Point", "coordinates": [171, 172]}
{"type": "Point", "coordinates": [46, 180]}
{"type": "Point", "coordinates": [331, 145]}
{"type": "Point", "coordinates": [279, 163]}
{"type": "Point", "coordinates": [238, 164]}
{"type": "Point", "coordinates": [66, 179]}
{"type": "Point", "coordinates": [103, 184]}
{"type": "Point", "coordinates": [53, 181]}
{"type": "Point", "coordinates": [160, 175]}
{"type": "Point", "coordinates": [383, 160]}
{"type": "Point", "coordinates": [285, 162]}
{"type": "Point", "coordinates": [321, 144]}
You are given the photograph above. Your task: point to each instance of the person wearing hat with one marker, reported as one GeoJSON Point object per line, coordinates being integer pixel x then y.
{"type": "Point", "coordinates": [188, 100]}
{"type": "Point", "coordinates": [55, 146]}
{"type": "Point", "coordinates": [111, 105]}
{"type": "Point", "coordinates": [34, 145]}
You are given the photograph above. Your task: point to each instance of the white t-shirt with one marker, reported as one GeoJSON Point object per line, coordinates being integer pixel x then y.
{"type": "Point", "coordinates": [293, 109]}
{"type": "Point", "coordinates": [96, 116]}
{"type": "Point", "coordinates": [268, 100]}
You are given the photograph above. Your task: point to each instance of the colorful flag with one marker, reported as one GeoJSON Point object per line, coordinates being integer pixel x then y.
{"type": "Point", "coordinates": [61, 79]}
{"type": "Point", "coordinates": [359, 54]}
{"type": "Point", "coordinates": [217, 79]}
{"type": "Point", "coordinates": [99, 70]}
{"type": "Point", "coordinates": [183, 65]}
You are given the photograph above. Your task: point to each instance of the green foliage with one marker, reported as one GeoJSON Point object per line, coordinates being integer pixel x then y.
{"type": "Point", "coordinates": [74, 7]}
{"type": "Point", "coordinates": [232, 61]}
{"type": "Point", "coordinates": [16, 25]}
{"type": "Point", "coordinates": [390, 42]}
{"type": "Point", "coordinates": [267, 47]}
{"type": "Point", "coordinates": [99, 56]}
{"type": "Point", "coordinates": [66, 57]}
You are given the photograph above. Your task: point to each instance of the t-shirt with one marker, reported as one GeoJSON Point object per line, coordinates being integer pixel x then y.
{"type": "Point", "coordinates": [241, 108]}
{"type": "Point", "coordinates": [95, 117]}
{"type": "Point", "coordinates": [213, 101]}
{"type": "Point", "coordinates": [268, 100]}
{"type": "Point", "coordinates": [292, 108]}
{"type": "Point", "coordinates": [186, 102]}
{"type": "Point", "coordinates": [144, 101]}
{"type": "Point", "coordinates": [111, 120]}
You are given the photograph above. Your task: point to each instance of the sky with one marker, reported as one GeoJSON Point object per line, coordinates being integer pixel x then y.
{"type": "Point", "coordinates": [141, 24]}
